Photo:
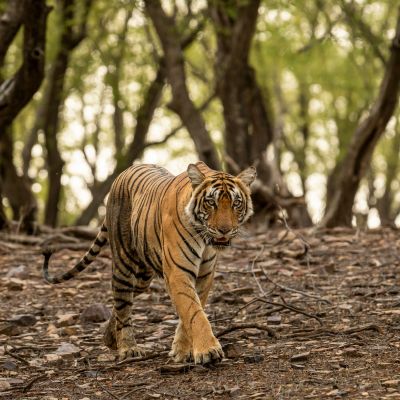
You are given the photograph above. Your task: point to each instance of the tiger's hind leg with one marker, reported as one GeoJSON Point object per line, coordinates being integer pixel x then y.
{"type": "Point", "coordinates": [119, 333]}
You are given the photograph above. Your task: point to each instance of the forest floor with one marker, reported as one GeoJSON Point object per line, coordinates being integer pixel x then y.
{"type": "Point", "coordinates": [300, 314]}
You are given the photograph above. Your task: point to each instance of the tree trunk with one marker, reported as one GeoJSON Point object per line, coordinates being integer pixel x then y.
{"type": "Point", "coordinates": [181, 103]}
{"type": "Point", "coordinates": [53, 99]}
{"type": "Point", "coordinates": [248, 128]}
{"type": "Point", "coordinates": [385, 204]}
{"type": "Point", "coordinates": [16, 91]}
{"type": "Point", "coordinates": [354, 165]}
{"type": "Point", "coordinates": [17, 188]}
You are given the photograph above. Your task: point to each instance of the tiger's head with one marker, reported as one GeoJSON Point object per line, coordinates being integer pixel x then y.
{"type": "Point", "coordinates": [219, 204]}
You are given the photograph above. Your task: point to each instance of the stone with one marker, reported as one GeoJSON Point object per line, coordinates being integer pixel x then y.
{"type": "Point", "coordinates": [24, 320]}
{"type": "Point", "coordinates": [66, 350]}
{"type": "Point", "coordinates": [70, 331]}
{"type": "Point", "coordinates": [10, 329]}
{"type": "Point", "coordinates": [95, 313]}
{"type": "Point", "coordinates": [232, 350]}
{"type": "Point", "coordinates": [300, 357]}
{"type": "Point", "coordinates": [352, 352]}
{"type": "Point", "coordinates": [391, 383]}
{"type": "Point", "coordinates": [53, 358]}
{"type": "Point", "coordinates": [20, 272]}
{"type": "Point", "coordinates": [274, 319]}
{"type": "Point", "coordinates": [8, 366]}
{"type": "Point", "coordinates": [253, 358]}
{"type": "Point", "coordinates": [15, 285]}
{"type": "Point", "coordinates": [66, 320]}
{"type": "Point", "coordinates": [4, 385]}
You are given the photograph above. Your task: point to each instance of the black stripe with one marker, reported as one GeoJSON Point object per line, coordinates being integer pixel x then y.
{"type": "Point", "coordinates": [99, 242]}
{"type": "Point", "coordinates": [121, 281]}
{"type": "Point", "coordinates": [93, 253]}
{"type": "Point", "coordinates": [205, 275]}
{"type": "Point", "coordinates": [68, 275]}
{"type": "Point", "coordinates": [189, 296]}
{"type": "Point", "coordinates": [180, 266]}
{"type": "Point", "coordinates": [123, 304]}
{"type": "Point", "coordinates": [208, 260]}
{"type": "Point", "coordinates": [122, 290]}
{"type": "Point", "coordinates": [194, 315]}
{"type": "Point", "coordinates": [86, 260]}
{"type": "Point", "coordinates": [186, 256]}
{"type": "Point", "coordinates": [128, 274]}
{"type": "Point", "coordinates": [180, 221]}
{"type": "Point", "coordinates": [192, 250]}
{"type": "Point", "coordinates": [80, 267]}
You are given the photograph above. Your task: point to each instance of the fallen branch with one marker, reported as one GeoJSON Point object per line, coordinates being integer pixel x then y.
{"type": "Point", "coordinates": [250, 325]}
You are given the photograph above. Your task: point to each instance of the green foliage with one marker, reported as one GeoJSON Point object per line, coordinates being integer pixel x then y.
{"type": "Point", "coordinates": [314, 51]}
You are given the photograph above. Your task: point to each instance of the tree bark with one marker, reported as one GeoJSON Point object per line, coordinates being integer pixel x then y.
{"type": "Point", "coordinates": [17, 188]}
{"type": "Point", "coordinates": [385, 204]}
{"type": "Point", "coordinates": [10, 22]}
{"type": "Point", "coordinates": [181, 102]}
{"type": "Point", "coordinates": [53, 100]}
{"type": "Point", "coordinates": [354, 165]}
{"type": "Point", "coordinates": [248, 127]}
{"type": "Point", "coordinates": [16, 91]}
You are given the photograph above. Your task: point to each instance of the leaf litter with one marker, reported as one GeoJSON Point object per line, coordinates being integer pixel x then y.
{"type": "Point", "coordinates": [301, 315]}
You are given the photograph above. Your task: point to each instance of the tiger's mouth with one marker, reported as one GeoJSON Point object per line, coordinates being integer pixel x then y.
{"type": "Point", "coordinates": [221, 242]}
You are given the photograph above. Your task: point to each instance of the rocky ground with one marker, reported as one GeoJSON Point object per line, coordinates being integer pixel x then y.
{"type": "Point", "coordinates": [300, 314]}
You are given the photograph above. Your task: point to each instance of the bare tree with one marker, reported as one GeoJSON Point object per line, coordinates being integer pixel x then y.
{"type": "Point", "coordinates": [248, 127]}
{"type": "Point", "coordinates": [53, 97]}
{"type": "Point", "coordinates": [16, 91]}
{"type": "Point", "coordinates": [182, 104]}
{"type": "Point", "coordinates": [354, 165]}
{"type": "Point", "coordinates": [139, 143]}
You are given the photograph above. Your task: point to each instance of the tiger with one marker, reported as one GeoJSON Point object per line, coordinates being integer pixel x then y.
{"type": "Point", "coordinates": [174, 227]}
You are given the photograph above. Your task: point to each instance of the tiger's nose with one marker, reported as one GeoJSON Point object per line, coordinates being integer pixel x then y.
{"type": "Point", "coordinates": [224, 229]}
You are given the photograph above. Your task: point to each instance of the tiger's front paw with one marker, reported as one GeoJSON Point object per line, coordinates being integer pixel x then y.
{"type": "Point", "coordinates": [207, 351]}
{"type": "Point", "coordinates": [130, 351]}
{"type": "Point", "coordinates": [181, 352]}
{"type": "Point", "coordinates": [126, 344]}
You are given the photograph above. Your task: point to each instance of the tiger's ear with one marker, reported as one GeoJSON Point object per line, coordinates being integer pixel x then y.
{"type": "Point", "coordinates": [195, 175]}
{"type": "Point", "coordinates": [248, 176]}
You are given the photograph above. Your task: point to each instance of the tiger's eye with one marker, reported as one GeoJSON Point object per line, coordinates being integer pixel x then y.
{"type": "Point", "coordinates": [236, 203]}
{"type": "Point", "coordinates": [211, 202]}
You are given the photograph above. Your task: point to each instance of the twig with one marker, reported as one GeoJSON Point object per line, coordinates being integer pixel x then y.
{"type": "Point", "coordinates": [288, 289]}
{"type": "Point", "coordinates": [32, 381]}
{"type": "Point", "coordinates": [105, 389]}
{"type": "Point", "coordinates": [249, 303]}
{"type": "Point", "coordinates": [19, 358]}
{"type": "Point", "coordinates": [291, 308]}
{"type": "Point", "coordinates": [149, 356]}
{"type": "Point", "coordinates": [135, 389]}
{"type": "Point", "coordinates": [250, 325]}
{"type": "Point", "coordinates": [254, 275]}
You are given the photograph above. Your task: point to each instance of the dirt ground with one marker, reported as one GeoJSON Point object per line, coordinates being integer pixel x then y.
{"type": "Point", "coordinates": [300, 314]}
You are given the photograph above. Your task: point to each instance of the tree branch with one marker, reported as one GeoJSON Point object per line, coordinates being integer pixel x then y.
{"type": "Point", "coordinates": [16, 91]}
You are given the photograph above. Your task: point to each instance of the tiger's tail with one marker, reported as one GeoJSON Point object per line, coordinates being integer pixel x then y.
{"type": "Point", "coordinates": [87, 259]}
